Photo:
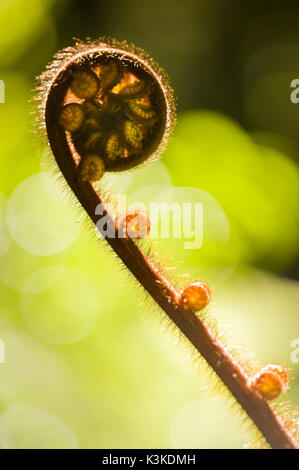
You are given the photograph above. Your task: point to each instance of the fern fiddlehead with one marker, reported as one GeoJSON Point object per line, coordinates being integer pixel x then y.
{"type": "Point", "coordinates": [106, 106]}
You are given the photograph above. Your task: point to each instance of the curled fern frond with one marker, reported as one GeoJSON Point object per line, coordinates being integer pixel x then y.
{"type": "Point", "coordinates": [107, 106]}
{"type": "Point", "coordinates": [113, 100]}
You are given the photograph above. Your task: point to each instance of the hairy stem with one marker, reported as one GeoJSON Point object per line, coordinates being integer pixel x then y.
{"type": "Point", "coordinates": [165, 295]}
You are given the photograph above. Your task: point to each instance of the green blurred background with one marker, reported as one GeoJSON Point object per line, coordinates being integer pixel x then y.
{"type": "Point", "coordinates": [86, 364]}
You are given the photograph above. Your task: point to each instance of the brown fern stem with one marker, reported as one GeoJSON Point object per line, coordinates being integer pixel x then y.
{"type": "Point", "coordinates": [165, 295]}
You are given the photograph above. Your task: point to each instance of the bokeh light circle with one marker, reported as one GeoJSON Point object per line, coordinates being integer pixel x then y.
{"type": "Point", "coordinates": [5, 238]}
{"type": "Point", "coordinates": [60, 305]}
{"type": "Point", "coordinates": [24, 427]}
{"type": "Point", "coordinates": [38, 219]}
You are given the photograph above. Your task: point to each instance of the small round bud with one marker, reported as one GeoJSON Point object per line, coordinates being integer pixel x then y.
{"type": "Point", "coordinates": [91, 167]}
{"type": "Point", "coordinates": [142, 113]}
{"type": "Point", "coordinates": [134, 225]}
{"type": "Point", "coordinates": [85, 84]}
{"type": "Point", "coordinates": [114, 147]}
{"type": "Point", "coordinates": [271, 381]}
{"type": "Point", "coordinates": [94, 142]}
{"type": "Point", "coordinates": [196, 296]}
{"type": "Point", "coordinates": [71, 117]}
{"type": "Point", "coordinates": [90, 125]}
{"type": "Point", "coordinates": [134, 90]}
{"type": "Point", "coordinates": [133, 134]}
{"type": "Point", "coordinates": [110, 75]}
